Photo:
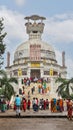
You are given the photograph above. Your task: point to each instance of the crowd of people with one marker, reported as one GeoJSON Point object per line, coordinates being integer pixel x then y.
{"type": "Point", "coordinates": [23, 104]}
{"type": "Point", "coordinates": [27, 81]}
{"type": "Point", "coordinates": [35, 104]}
{"type": "Point", "coordinates": [54, 105]}
{"type": "Point", "coordinates": [41, 88]}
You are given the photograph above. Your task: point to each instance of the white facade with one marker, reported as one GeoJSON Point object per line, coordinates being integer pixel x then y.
{"type": "Point", "coordinates": [35, 58]}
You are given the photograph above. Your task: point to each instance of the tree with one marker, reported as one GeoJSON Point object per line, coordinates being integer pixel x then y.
{"type": "Point", "coordinates": [2, 45]}
{"type": "Point", "coordinates": [64, 88]}
{"type": "Point", "coordinates": [6, 84]}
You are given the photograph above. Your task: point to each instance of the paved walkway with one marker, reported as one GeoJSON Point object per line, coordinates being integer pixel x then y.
{"type": "Point", "coordinates": [35, 124]}
{"type": "Point", "coordinates": [31, 114]}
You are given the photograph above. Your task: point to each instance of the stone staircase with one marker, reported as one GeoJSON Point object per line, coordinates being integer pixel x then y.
{"type": "Point", "coordinates": [36, 94]}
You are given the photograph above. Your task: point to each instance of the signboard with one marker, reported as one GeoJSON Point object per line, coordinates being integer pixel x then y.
{"type": "Point", "coordinates": [35, 65]}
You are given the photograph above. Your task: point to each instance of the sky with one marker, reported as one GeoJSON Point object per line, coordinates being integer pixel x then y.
{"type": "Point", "coordinates": [58, 29]}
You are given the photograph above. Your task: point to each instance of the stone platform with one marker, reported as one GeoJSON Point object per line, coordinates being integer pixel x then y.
{"type": "Point", "coordinates": [31, 114]}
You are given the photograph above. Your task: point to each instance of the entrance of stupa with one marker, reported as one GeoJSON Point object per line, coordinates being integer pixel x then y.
{"type": "Point", "coordinates": [35, 73]}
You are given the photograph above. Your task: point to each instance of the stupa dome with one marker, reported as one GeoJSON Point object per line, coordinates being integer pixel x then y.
{"type": "Point", "coordinates": [23, 50]}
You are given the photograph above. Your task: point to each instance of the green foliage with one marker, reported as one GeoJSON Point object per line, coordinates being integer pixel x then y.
{"type": "Point", "coordinates": [71, 96]}
{"type": "Point", "coordinates": [63, 89]}
{"type": "Point", "coordinates": [1, 91]}
{"type": "Point", "coordinates": [2, 45]}
{"type": "Point", "coordinates": [6, 84]}
{"type": "Point", "coordinates": [61, 80]}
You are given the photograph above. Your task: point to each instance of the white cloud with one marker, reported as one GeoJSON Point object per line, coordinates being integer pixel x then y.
{"type": "Point", "coordinates": [60, 28]}
{"type": "Point", "coordinates": [14, 26]}
{"type": "Point", "coordinates": [20, 2]}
